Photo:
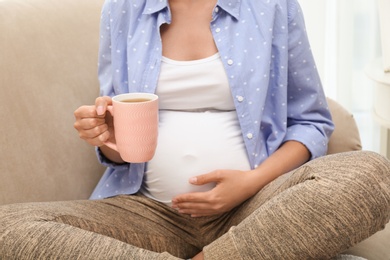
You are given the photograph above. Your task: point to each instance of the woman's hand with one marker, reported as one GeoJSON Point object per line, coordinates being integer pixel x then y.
{"type": "Point", "coordinates": [93, 124]}
{"type": "Point", "coordinates": [232, 188]}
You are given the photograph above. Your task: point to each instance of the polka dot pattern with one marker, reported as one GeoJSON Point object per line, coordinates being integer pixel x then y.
{"type": "Point", "coordinates": [266, 55]}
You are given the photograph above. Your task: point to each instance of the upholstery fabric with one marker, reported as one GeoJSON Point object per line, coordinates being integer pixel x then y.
{"type": "Point", "coordinates": [346, 134]}
{"type": "Point", "coordinates": [48, 68]}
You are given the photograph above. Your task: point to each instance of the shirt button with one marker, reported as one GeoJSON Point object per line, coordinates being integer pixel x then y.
{"type": "Point", "coordinates": [230, 62]}
{"type": "Point", "coordinates": [240, 98]}
{"type": "Point", "coordinates": [249, 135]}
{"type": "Point", "coordinates": [218, 30]}
{"type": "Point", "coordinates": [216, 9]}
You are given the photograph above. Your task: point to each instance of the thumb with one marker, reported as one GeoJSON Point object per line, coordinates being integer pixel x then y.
{"type": "Point", "coordinates": [101, 104]}
{"type": "Point", "coordinates": [205, 178]}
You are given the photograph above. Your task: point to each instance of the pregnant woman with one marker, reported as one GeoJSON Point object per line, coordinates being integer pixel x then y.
{"type": "Point", "coordinates": [239, 171]}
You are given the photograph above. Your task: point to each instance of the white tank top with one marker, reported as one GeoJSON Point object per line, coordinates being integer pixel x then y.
{"type": "Point", "coordinates": [198, 130]}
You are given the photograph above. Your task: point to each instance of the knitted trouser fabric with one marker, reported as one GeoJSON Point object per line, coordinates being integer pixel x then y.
{"type": "Point", "coordinates": [314, 212]}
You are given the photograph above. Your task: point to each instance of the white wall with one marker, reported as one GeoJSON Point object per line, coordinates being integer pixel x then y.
{"type": "Point", "coordinates": [315, 19]}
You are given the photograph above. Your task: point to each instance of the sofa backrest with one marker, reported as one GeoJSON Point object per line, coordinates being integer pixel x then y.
{"type": "Point", "coordinates": [48, 68]}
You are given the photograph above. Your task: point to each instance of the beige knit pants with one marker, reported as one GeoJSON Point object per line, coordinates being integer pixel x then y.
{"type": "Point", "coordinates": [314, 212]}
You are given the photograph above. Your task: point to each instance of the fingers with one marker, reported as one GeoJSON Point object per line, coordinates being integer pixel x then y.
{"type": "Point", "coordinates": [214, 176]}
{"type": "Point", "coordinates": [85, 112]}
{"type": "Point", "coordinates": [198, 207]}
{"type": "Point", "coordinates": [101, 104]}
{"type": "Point", "coordinates": [197, 202]}
{"type": "Point", "coordinates": [200, 197]}
{"type": "Point", "coordinates": [191, 197]}
{"type": "Point", "coordinates": [91, 122]}
{"type": "Point", "coordinates": [215, 201]}
{"type": "Point", "coordinates": [92, 129]}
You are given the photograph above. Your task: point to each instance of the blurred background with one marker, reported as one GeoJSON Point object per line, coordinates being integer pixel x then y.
{"type": "Point", "coordinates": [345, 38]}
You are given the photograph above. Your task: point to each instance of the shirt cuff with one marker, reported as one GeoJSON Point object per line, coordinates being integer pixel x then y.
{"type": "Point", "coordinates": [315, 142]}
{"type": "Point", "coordinates": [108, 163]}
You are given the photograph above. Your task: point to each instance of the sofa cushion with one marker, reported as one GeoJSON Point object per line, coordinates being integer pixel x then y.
{"type": "Point", "coordinates": [375, 247]}
{"type": "Point", "coordinates": [346, 134]}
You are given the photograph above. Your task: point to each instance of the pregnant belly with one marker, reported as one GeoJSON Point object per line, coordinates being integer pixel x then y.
{"type": "Point", "coordinates": [190, 144]}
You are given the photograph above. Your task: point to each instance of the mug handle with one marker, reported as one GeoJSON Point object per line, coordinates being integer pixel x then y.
{"type": "Point", "coordinates": [108, 143]}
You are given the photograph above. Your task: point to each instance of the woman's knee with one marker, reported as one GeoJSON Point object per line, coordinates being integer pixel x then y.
{"type": "Point", "coordinates": [368, 165]}
{"type": "Point", "coordinates": [360, 176]}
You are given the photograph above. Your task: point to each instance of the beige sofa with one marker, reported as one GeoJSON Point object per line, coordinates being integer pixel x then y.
{"type": "Point", "coordinates": [48, 64]}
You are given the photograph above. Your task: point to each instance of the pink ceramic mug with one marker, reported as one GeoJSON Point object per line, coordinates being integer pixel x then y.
{"type": "Point", "coordinates": [135, 118]}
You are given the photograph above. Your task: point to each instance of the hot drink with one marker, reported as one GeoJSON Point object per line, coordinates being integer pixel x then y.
{"type": "Point", "coordinates": [135, 100]}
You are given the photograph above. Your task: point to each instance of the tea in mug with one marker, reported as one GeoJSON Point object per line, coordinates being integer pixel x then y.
{"type": "Point", "coordinates": [135, 100]}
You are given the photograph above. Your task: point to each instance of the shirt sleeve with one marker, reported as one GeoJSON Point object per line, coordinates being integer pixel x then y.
{"type": "Point", "coordinates": [309, 120]}
{"type": "Point", "coordinates": [108, 163]}
{"type": "Point", "coordinates": [105, 72]}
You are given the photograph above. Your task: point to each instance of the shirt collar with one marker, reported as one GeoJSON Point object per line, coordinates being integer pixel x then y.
{"type": "Point", "coordinates": [154, 6]}
{"type": "Point", "coordinates": [232, 7]}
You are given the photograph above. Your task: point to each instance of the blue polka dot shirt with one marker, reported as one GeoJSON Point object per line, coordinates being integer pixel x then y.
{"type": "Point", "coordinates": [267, 57]}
